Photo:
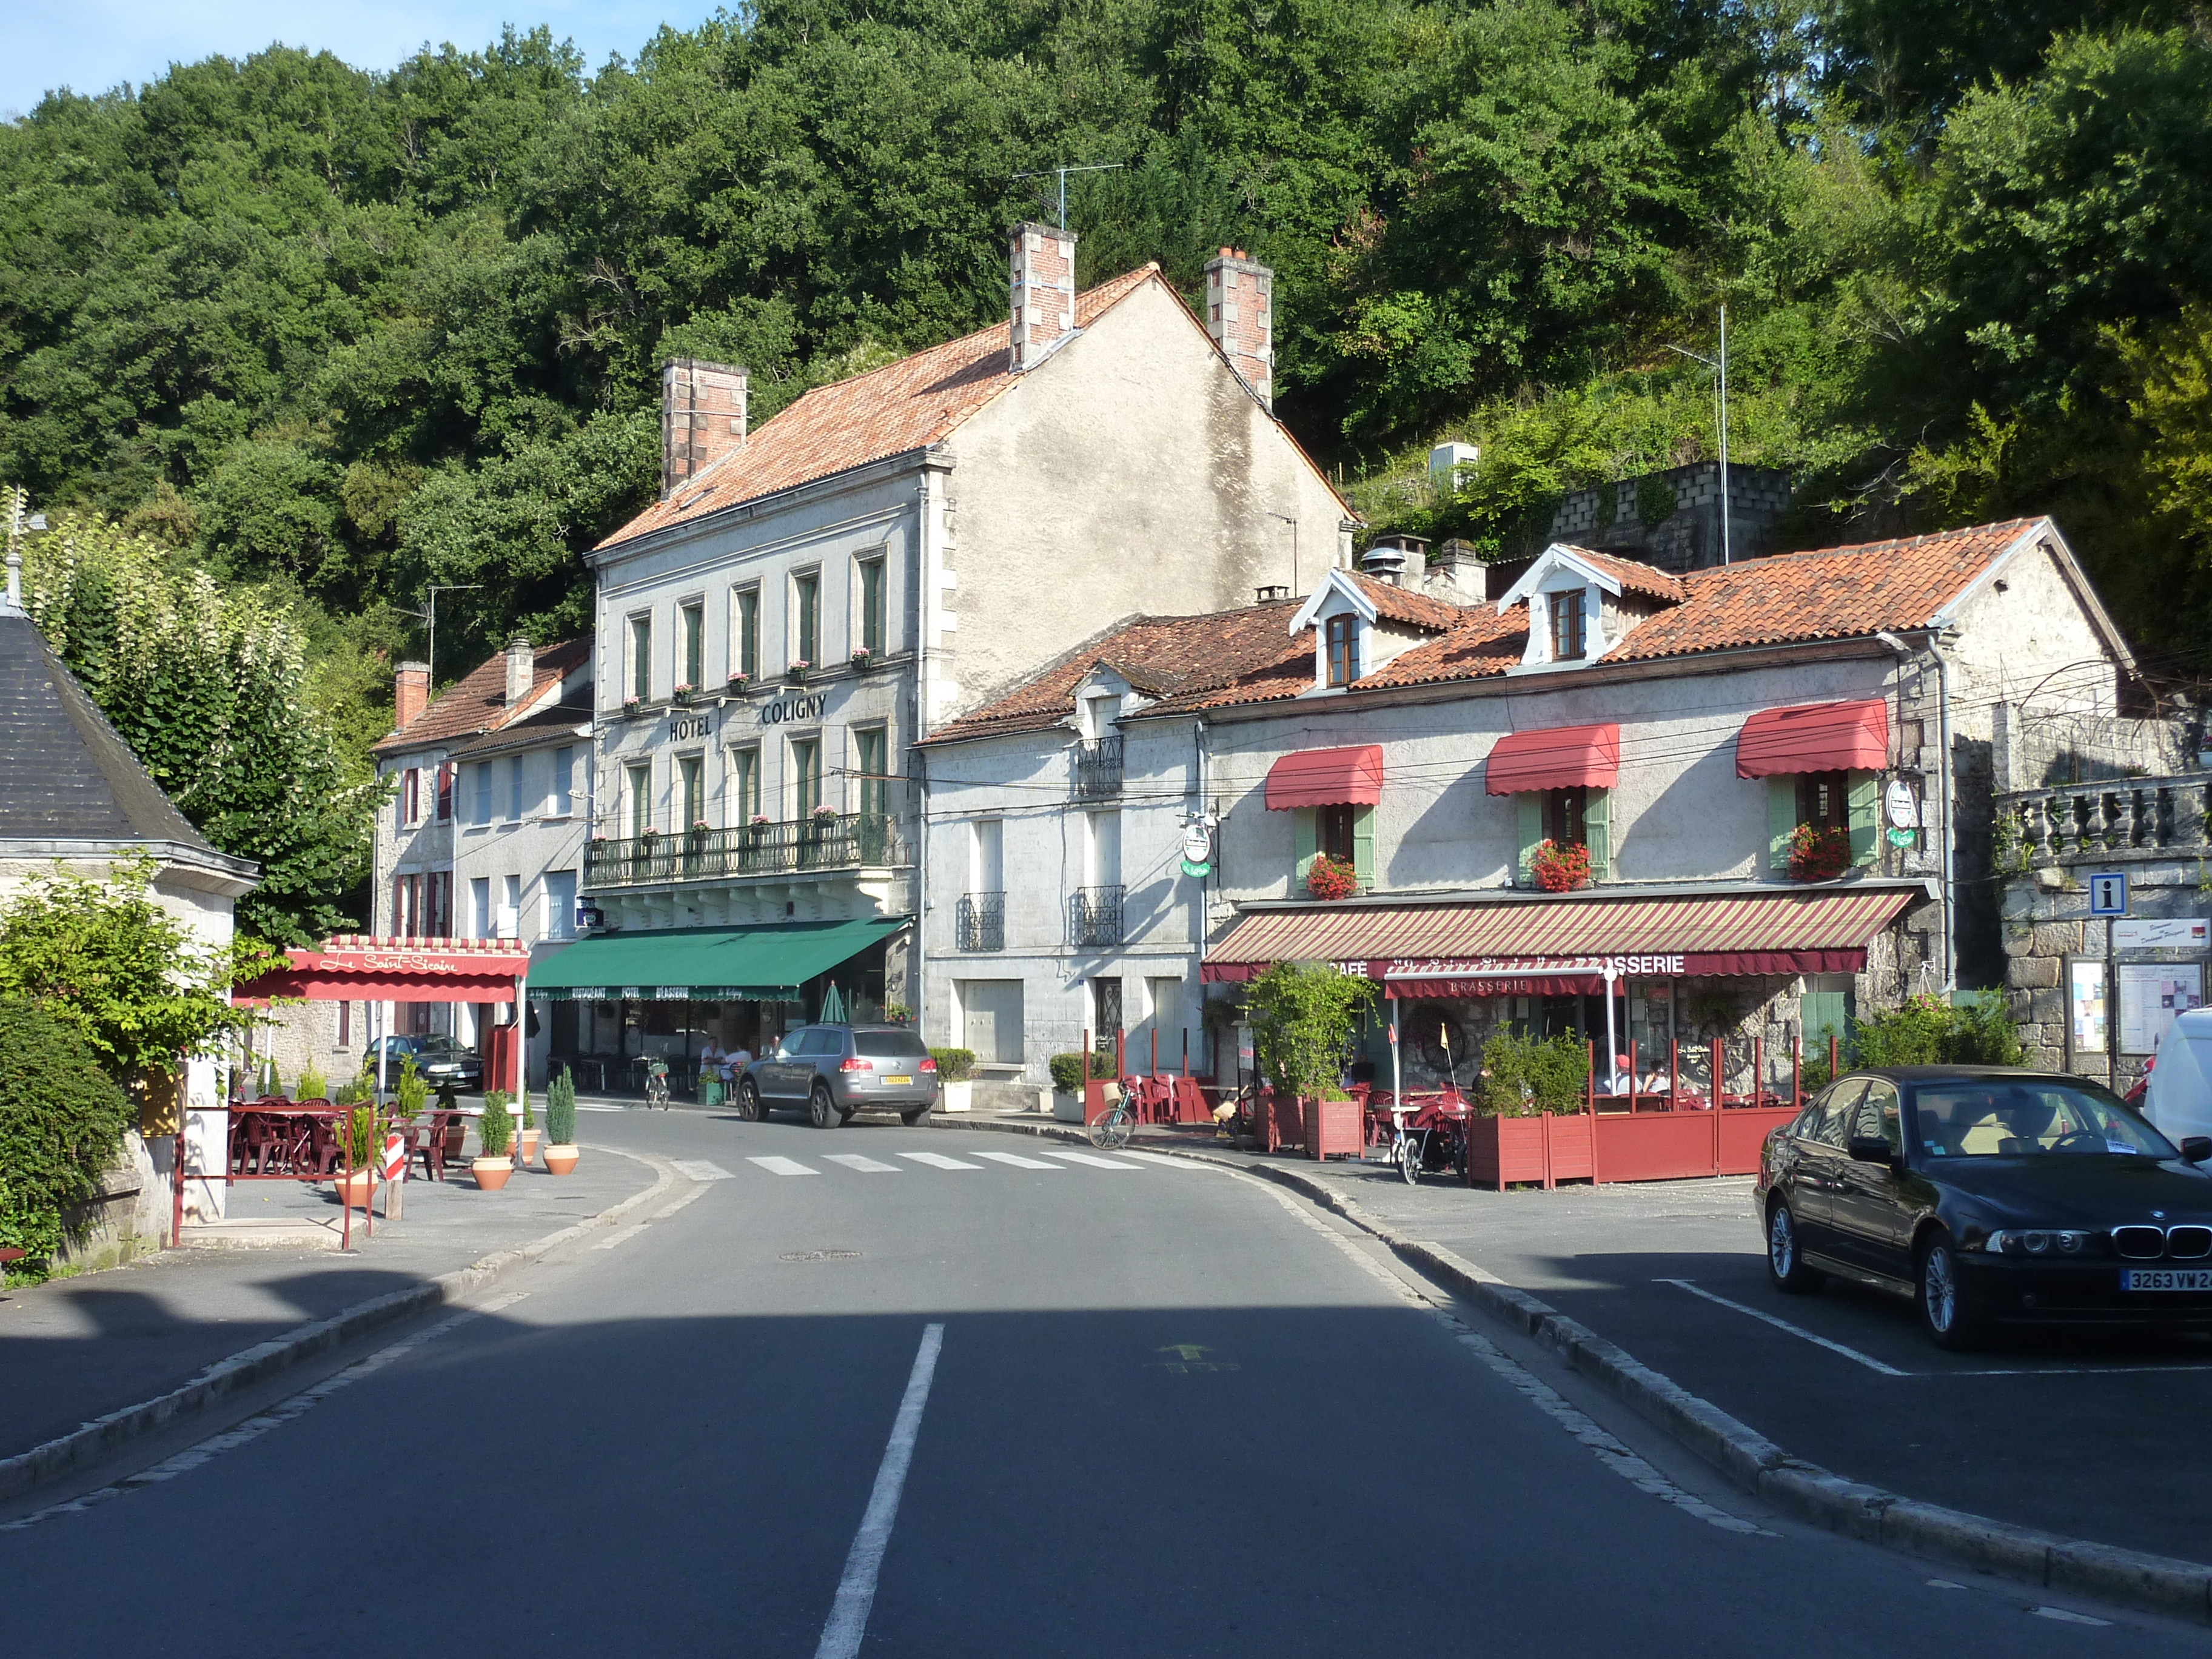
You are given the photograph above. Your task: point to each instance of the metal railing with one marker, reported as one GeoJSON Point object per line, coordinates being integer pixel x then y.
{"type": "Point", "coordinates": [980, 921]}
{"type": "Point", "coordinates": [845, 840]}
{"type": "Point", "coordinates": [1095, 915]}
{"type": "Point", "coordinates": [2090, 820]}
{"type": "Point", "coordinates": [1098, 768]}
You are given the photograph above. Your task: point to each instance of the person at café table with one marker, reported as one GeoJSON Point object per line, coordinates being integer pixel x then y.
{"type": "Point", "coordinates": [712, 1058]}
{"type": "Point", "coordinates": [1624, 1075]}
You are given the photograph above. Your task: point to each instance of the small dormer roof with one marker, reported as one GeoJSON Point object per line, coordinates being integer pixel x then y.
{"type": "Point", "coordinates": [1337, 584]}
{"type": "Point", "coordinates": [1379, 601]}
{"type": "Point", "coordinates": [1615, 575]}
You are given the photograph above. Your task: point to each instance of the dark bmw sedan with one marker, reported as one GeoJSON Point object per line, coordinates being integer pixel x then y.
{"type": "Point", "coordinates": [1988, 1195]}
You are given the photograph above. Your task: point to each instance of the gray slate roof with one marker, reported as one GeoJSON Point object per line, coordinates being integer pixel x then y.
{"type": "Point", "coordinates": [69, 775]}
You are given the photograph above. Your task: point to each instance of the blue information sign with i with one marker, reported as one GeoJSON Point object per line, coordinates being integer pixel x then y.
{"type": "Point", "coordinates": [2108, 893]}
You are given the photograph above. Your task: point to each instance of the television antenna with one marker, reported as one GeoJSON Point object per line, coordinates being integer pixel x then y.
{"type": "Point", "coordinates": [1061, 173]}
{"type": "Point", "coordinates": [429, 614]}
{"type": "Point", "coordinates": [1719, 366]}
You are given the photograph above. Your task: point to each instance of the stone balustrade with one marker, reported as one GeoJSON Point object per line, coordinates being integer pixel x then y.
{"type": "Point", "coordinates": [2116, 818]}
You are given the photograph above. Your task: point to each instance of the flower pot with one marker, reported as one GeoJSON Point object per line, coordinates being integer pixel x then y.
{"type": "Point", "coordinates": [491, 1173]}
{"type": "Point", "coordinates": [1067, 1108]}
{"type": "Point", "coordinates": [528, 1146]}
{"type": "Point", "coordinates": [955, 1096]}
{"type": "Point", "coordinates": [559, 1160]}
{"type": "Point", "coordinates": [354, 1190]}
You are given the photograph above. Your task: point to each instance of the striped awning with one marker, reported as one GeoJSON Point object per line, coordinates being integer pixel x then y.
{"type": "Point", "coordinates": [1550, 944]}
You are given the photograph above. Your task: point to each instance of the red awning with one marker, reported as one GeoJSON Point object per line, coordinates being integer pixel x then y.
{"type": "Point", "coordinates": [1326, 777]}
{"type": "Point", "coordinates": [1557, 758]}
{"type": "Point", "coordinates": [1528, 946]}
{"type": "Point", "coordinates": [356, 968]}
{"type": "Point", "coordinates": [1814, 737]}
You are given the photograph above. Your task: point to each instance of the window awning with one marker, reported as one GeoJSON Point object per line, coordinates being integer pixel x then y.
{"type": "Point", "coordinates": [1814, 737]}
{"type": "Point", "coordinates": [1557, 757]}
{"type": "Point", "coordinates": [1326, 777]}
{"type": "Point", "coordinates": [1542, 946]}
{"type": "Point", "coordinates": [705, 964]}
{"type": "Point", "coordinates": [361, 968]}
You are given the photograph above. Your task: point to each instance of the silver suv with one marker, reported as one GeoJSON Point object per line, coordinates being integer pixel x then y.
{"type": "Point", "coordinates": [833, 1071]}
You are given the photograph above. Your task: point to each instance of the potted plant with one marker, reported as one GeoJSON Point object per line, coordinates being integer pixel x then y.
{"type": "Point", "coordinates": [1818, 854]}
{"type": "Point", "coordinates": [739, 681]}
{"type": "Point", "coordinates": [359, 1129]}
{"type": "Point", "coordinates": [1067, 1079]}
{"type": "Point", "coordinates": [822, 820]}
{"type": "Point", "coordinates": [798, 667]}
{"type": "Point", "coordinates": [411, 1094]}
{"type": "Point", "coordinates": [1302, 1016]}
{"type": "Point", "coordinates": [313, 1086]}
{"type": "Point", "coordinates": [530, 1131]}
{"type": "Point", "coordinates": [494, 1130]}
{"type": "Point", "coordinates": [955, 1069]}
{"type": "Point", "coordinates": [684, 691]}
{"type": "Point", "coordinates": [1330, 877]}
{"type": "Point", "coordinates": [1560, 867]}
{"type": "Point", "coordinates": [560, 1152]}
{"type": "Point", "coordinates": [862, 656]}
{"type": "Point", "coordinates": [1529, 1120]}
{"type": "Point", "coordinates": [630, 705]}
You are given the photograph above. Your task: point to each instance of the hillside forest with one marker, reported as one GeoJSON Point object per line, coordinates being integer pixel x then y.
{"type": "Point", "coordinates": [292, 341]}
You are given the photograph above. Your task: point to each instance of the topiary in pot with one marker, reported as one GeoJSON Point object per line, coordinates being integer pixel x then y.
{"type": "Point", "coordinates": [360, 1134]}
{"type": "Point", "coordinates": [561, 1152]}
{"type": "Point", "coordinates": [494, 1129]}
{"type": "Point", "coordinates": [313, 1085]}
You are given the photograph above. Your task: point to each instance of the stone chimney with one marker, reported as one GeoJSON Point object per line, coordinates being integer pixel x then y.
{"type": "Point", "coordinates": [1240, 315]}
{"type": "Point", "coordinates": [410, 694]}
{"type": "Point", "coordinates": [521, 670]}
{"type": "Point", "coordinates": [702, 419]}
{"type": "Point", "coordinates": [1456, 574]}
{"type": "Point", "coordinates": [1041, 270]}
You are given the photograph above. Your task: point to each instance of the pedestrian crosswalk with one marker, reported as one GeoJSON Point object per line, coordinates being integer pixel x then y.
{"type": "Point", "coordinates": [1053, 1159]}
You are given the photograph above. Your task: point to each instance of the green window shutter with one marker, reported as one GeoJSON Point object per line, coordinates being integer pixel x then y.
{"type": "Point", "coordinates": [1530, 806]}
{"type": "Point", "coordinates": [1864, 799]}
{"type": "Point", "coordinates": [1363, 845]}
{"type": "Point", "coordinates": [1821, 1015]}
{"type": "Point", "coordinates": [1305, 826]}
{"type": "Point", "coordinates": [1597, 826]}
{"type": "Point", "coordinates": [1781, 817]}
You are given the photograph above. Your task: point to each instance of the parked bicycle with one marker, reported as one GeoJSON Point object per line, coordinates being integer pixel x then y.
{"type": "Point", "coordinates": [656, 1085]}
{"type": "Point", "coordinates": [1109, 1130]}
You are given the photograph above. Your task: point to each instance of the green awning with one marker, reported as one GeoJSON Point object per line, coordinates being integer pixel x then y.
{"type": "Point", "coordinates": [705, 964]}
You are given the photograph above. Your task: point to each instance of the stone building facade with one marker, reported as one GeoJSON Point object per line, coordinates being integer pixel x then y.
{"type": "Point", "coordinates": [1673, 519]}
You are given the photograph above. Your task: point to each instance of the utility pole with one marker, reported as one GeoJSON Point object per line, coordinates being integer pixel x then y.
{"type": "Point", "coordinates": [1720, 368]}
{"type": "Point", "coordinates": [1293, 524]}
{"type": "Point", "coordinates": [1061, 173]}
{"type": "Point", "coordinates": [18, 522]}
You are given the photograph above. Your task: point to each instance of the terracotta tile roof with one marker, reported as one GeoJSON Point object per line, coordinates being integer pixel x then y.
{"type": "Point", "coordinates": [1184, 662]}
{"type": "Point", "coordinates": [1633, 578]}
{"type": "Point", "coordinates": [1408, 605]}
{"type": "Point", "coordinates": [901, 406]}
{"type": "Point", "coordinates": [478, 703]}
{"type": "Point", "coordinates": [1840, 593]}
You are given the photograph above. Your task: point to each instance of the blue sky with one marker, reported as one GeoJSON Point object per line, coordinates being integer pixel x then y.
{"type": "Point", "coordinates": [92, 44]}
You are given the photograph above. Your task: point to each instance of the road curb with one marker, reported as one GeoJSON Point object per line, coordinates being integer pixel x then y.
{"type": "Point", "coordinates": [2103, 1572]}
{"type": "Point", "coordinates": [25, 1470]}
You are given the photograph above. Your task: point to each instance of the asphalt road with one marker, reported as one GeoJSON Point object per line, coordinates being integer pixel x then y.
{"type": "Point", "coordinates": [1025, 1406]}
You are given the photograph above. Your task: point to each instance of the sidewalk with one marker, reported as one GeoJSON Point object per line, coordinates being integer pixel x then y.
{"type": "Point", "coordinates": [77, 1349]}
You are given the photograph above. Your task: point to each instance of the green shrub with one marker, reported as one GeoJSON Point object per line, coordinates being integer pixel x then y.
{"type": "Point", "coordinates": [528, 1116]}
{"type": "Point", "coordinates": [495, 1129]}
{"type": "Point", "coordinates": [61, 1122]}
{"type": "Point", "coordinates": [497, 1097]}
{"type": "Point", "coordinates": [1068, 1070]}
{"type": "Point", "coordinates": [361, 1133]}
{"type": "Point", "coordinates": [1523, 1076]}
{"type": "Point", "coordinates": [413, 1093]}
{"type": "Point", "coordinates": [313, 1085]}
{"type": "Point", "coordinates": [1302, 1015]}
{"type": "Point", "coordinates": [561, 1109]}
{"type": "Point", "coordinates": [1928, 1031]}
{"type": "Point", "coordinates": [954, 1064]}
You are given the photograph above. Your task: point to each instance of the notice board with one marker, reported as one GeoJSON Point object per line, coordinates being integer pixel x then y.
{"type": "Point", "coordinates": [2151, 994]}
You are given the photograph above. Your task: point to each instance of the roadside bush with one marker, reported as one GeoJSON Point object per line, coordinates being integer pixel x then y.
{"type": "Point", "coordinates": [1523, 1076]}
{"type": "Point", "coordinates": [954, 1064]}
{"type": "Point", "coordinates": [496, 1129]}
{"type": "Point", "coordinates": [61, 1122]}
{"type": "Point", "coordinates": [313, 1085]}
{"type": "Point", "coordinates": [1302, 1015]}
{"type": "Point", "coordinates": [1068, 1070]}
{"type": "Point", "coordinates": [1928, 1031]}
{"type": "Point", "coordinates": [561, 1109]}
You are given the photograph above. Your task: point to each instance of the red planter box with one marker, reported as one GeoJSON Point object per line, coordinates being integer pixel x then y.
{"type": "Point", "coordinates": [1675, 1146]}
{"type": "Point", "coordinates": [1549, 1149]}
{"type": "Point", "coordinates": [1333, 1129]}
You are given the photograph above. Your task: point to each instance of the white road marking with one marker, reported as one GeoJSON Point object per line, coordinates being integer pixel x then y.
{"type": "Point", "coordinates": [668, 1210]}
{"type": "Point", "coordinates": [935, 1160]}
{"type": "Point", "coordinates": [1091, 1160]}
{"type": "Point", "coordinates": [856, 1590]}
{"type": "Point", "coordinates": [2066, 1618]}
{"type": "Point", "coordinates": [865, 1166]}
{"type": "Point", "coordinates": [619, 1235]}
{"type": "Point", "coordinates": [1866, 1360]}
{"type": "Point", "coordinates": [261, 1422]}
{"type": "Point", "coordinates": [782, 1166]}
{"type": "Point", "coordinates": [1168, 1162]}
{"type": "Point", "coordinates": [1021, 1163]}
{"type": "Point", "coordinates": [1943, 1584]}
{"type": "Point", "coordinates": [697, 1168]}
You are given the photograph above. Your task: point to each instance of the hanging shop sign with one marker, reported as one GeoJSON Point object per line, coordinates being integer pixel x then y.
{"type": "Point", "coordinates": [1197, 850]}
{"type": "Point", "coordinates": [1901, 805]}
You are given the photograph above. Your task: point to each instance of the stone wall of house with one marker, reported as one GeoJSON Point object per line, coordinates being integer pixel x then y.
{"type": "Point", "coordinates": [1683, 531]}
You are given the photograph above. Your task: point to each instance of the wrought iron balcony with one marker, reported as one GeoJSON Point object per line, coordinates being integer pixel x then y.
{"type": "Point", "coordinates": [1095, 915]}
{"type": "Point", "coordinates": [847, 840]}
{"type": "Point", "coordinates": [1098, 768]}
{"type": "Point", "coordinates": [980, 921]}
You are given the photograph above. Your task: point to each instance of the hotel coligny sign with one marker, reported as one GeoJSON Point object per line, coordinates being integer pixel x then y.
{"type": "Point", "coordinates": [794, 709]}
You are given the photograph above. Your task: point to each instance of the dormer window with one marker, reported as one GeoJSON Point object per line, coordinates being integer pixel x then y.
{"type": "Point", "coordinates": [1567, 625]}
{"type": "Point", "coordinates": [1343, 648]}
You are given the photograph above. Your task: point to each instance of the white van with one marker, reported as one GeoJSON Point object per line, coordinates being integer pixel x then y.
{"type": "Point", "coordinates": [2179, 1099]}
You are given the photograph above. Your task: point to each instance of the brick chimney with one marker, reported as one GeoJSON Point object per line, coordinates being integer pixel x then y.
{"type": "Point", "coordinates": [1042, 269]}
{"type": "Point", "coordinates": [521, 669]}
{"type": "Point", "coordinates": [410, 694]}
{"type": "Point", "coordinates": [702, 419]}
{"type": "Point", "coordinates": [1240, 315]}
